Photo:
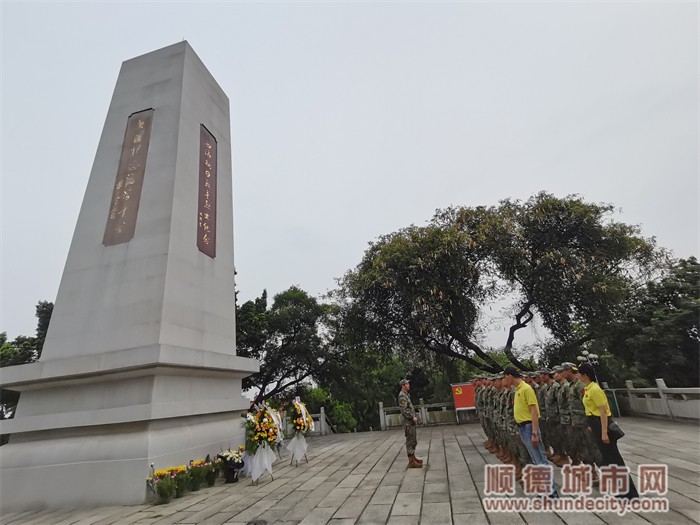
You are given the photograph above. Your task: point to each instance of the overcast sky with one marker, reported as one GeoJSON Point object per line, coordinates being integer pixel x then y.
{"type": "Point", "coordinates": [351, 120]}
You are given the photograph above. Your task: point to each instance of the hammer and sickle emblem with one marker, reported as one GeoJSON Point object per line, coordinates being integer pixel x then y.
{"type": "Point", "coordinates": [458, 390]}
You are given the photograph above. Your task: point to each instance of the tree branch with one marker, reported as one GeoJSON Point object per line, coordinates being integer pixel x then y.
{"type": "Point", "coordinates": [444, 350]}
{"type": "Point", "coordinates": [523, 317]}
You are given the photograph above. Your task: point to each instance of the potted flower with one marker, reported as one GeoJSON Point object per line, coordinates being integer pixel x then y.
{"type": "Point", "coordinates": [198, 473]}
{"type": "Point", "coordinates": [213, 468]}
{"type": "Point", "coordinates": [165, 489]}
{"type": "Point", "coordinates": [162, 484]}
{"type": "Point", "coordinates": [181, 478]}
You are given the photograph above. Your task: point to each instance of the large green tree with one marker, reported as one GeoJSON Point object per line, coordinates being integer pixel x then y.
{"type": "Point", "coordinates": [658, 331]}
{"type": "Point", "coordinates": [289, 339]}
{"type": "Point", "coordinates": [562, 259]}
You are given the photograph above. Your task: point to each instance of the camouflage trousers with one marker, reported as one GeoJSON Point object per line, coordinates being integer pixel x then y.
{"type": "Point", "coordinates": [489, 430]}
{"type": "Point", "coordinates": [555, 437]}
{"type": "Point", "coordinates": [518, 449]}
{"type": "Point", "coordinates": [580, 445]}
{"type": "Point", "coordinates": [411, 439]}
{"type": "Point", "coordinates": [544, 432]}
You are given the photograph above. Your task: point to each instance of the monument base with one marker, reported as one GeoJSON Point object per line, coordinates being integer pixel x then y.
{"type": "Point", "coordinates": [106, 465]}
{"type": "Point", "coordinates": [89, 438]}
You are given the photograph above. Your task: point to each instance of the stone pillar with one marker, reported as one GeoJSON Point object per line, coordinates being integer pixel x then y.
{"type": "Point", "coordinates": [630, 389]}
{"type": "Point", "coordinates": [139, 363]}
{"type": "Point", "coordinates": [322, 421]}
{"type": "Point", "coordinates": [382, 416]}
{"type": "Point", "coordinates": [423, 411]}
{"type": "Point", "coordinates": [661, 385]}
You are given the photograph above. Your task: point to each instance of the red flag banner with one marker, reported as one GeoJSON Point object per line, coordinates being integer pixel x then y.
{"type": "Point", "coordinates": [463, 394]}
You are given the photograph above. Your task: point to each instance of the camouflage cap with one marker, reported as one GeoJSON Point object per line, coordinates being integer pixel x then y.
{"type": "Point", "coordinates": [404, 382]}
{"type": "Point", "coordinates": [567, 365]}
{"type": "Point", "coordinates": [557, 369]}
{"type": "Point", "coordinates": [533, 375]}
{"type": "Point", "coordinates": [545, 371]}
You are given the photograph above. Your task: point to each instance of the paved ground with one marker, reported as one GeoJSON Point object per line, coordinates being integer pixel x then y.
{"type": "Point", "coordinates": [362, 478]}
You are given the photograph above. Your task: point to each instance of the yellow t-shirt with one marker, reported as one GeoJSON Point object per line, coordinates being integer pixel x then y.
{"type": "Point", "coordinates": [594, 397]}
{"type": "Point", "coordinates": [524, 397]}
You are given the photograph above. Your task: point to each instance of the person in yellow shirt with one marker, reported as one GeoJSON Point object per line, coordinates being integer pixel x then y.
{"type": "Point", "coordinates": [526, 412]}
{"type": "Point", "coordinates": [599, 418]}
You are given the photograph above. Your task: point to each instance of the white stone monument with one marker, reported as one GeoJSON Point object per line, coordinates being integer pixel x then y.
{"type": "Point", "coordinates": [139, 363]}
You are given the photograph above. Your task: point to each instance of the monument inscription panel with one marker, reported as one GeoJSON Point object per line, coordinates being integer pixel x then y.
{"type": "Point", "coordinates": [124, 206]}
{"type": "Point", "coordinates": [206, 220]}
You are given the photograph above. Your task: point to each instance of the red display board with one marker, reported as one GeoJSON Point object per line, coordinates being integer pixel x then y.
{"type": "Point", "coordinates": [463, 394]}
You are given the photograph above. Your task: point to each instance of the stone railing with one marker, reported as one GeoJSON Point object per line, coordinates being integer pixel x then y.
{"type": "Point", "coordinates": [431, 414]}
{"type": "Point", "coordinates": [660, 401]}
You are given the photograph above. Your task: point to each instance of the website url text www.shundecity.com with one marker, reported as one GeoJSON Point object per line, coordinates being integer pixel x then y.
{"type": "Point", "coordinates": [620, 506]}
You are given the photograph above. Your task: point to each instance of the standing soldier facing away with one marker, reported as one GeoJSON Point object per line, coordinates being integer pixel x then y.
{"type": "Point", "coordinates": [409, 424]}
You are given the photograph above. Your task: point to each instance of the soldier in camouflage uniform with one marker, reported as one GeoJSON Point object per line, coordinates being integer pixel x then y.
{"type": "Point", "coordinates": [563, 402]}
{"type": "Point", "coordinates": [409, 424]}
{"type": "Point", "coordinates": [541, 392]}
{"type": "Point", "coordinates": [505, 453]}
{"type": "Point", "coordinates": [504, 397]}
{"type": "Point", "coordinates": [491, 416]}
{"type": "Point", "coordinates": [553, 420]}
{"type": "Point", "coordinates": [484, 407]}
{"type": "Point", "coordinates": [480, 389]}
{"type": "Point", "coordinates": [499, 417]}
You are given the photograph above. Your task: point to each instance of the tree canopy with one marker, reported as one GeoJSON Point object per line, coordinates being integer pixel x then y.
{"type": "Point", "coordinates": [657, 332]}
{"type": "Point", "coordinates": [562, 259]}
{"type": "Point", "coordinates": [290, 339]}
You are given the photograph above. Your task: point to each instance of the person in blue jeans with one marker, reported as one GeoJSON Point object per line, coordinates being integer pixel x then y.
{"type": "Point", "coordinates": [526, 412]}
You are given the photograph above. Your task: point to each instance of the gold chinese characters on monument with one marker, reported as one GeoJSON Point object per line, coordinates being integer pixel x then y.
{"type": "Point", "coordinates": [206, 213]}
{"type": "Point", "coordinates": [124, 206]}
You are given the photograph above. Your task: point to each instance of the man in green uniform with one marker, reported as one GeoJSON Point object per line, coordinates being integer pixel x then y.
{"type": "Point", "coordinates": [409, 424]}
{"type": "Point", "coordinates": [553, 420]}
{"type": "Point", "coordinates": [480, 402]}
{"type": "Point", "coordinates": [500, 414]}
{"type": "Point", "coordinates": [489, 393]}
{"type": "Point", "coordinates": [563, 402]}
{"type": "Point", "coordinates": [541, 392]}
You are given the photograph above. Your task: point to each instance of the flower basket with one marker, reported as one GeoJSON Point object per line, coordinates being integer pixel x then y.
{"type": "Point", "coordinates": [262, 435]}
{"type": "Point", "coordinates": [231, 464]}
{"type": "Point", "coordinates": [303, 422]}
{"type": "Point", "coordinates": [262, 461]}
{"type": "Point", "coordinates": [298, 447]}
{"type": "Point", "coordinates": [231, 470]}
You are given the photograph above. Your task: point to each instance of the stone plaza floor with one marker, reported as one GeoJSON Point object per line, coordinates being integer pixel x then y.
{"type": "Point", "coordinates": [362, 479]}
